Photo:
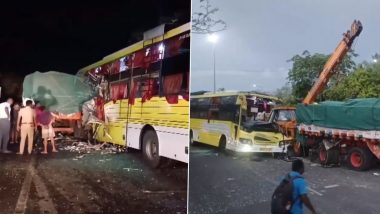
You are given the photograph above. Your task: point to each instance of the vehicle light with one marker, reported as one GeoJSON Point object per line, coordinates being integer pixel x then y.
{"type": "Point", "coordinates": [245, 141]}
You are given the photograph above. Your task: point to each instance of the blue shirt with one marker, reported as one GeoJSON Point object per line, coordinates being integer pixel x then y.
{"type": "Point", "coordinates": [299, 188]}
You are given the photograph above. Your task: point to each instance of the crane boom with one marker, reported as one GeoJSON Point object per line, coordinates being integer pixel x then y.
{"type": "Point", "coordinates": [334, 60]}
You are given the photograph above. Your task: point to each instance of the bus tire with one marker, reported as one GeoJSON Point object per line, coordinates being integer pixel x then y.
{"type": "Point", "coordinates": [360, 158]}
{"type": "Point", "coordinates": [151, 149]}
{"type": "Point", "coordinates": [191, 136]}
{"type": "Point", "coordinates": [222, 143]}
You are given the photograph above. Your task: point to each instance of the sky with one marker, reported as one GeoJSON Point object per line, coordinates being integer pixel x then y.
{"type": "Point", "coordinates": [262, 35]}
{"type": "Point", "coordinates": [68, 35]}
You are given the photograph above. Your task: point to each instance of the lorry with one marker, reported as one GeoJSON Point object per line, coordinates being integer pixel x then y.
{"type": "Point", "coordinates": [337, 131]}
{"type": "Point", "coordinates": [60, 93]}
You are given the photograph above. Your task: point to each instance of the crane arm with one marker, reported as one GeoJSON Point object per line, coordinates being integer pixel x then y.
{"type": "Point", "coordinates": [334, 60]}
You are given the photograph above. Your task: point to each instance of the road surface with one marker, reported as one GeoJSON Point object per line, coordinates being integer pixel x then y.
{"type": "Point", "coordinates": [95, 182]}
{"type": "Point", "coordinates": [222, 183]}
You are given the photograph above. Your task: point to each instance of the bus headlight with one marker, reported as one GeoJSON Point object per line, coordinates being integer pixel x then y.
{"type": "Point", "coordinates": [245, 141]}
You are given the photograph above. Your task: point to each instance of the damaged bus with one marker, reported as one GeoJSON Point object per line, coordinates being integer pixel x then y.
{"type": "Point", "coordinates": [235, 121]}
{"type": "Point", "coordinates": [143, 95]}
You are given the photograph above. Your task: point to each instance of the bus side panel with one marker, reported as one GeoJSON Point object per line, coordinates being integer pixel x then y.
{"type": "Point", "coordinates": [173, 143]}
{"type": "Point", "coordinates": [117, 133]}
{"type": "Point", "coordinates": [133, 135]}
{"type": "Point", "coordinates": [213, 130]}
{"type": "Point", "coordinates": [195, 126]}
{"type": "Point", "coordinates": [101, 133]}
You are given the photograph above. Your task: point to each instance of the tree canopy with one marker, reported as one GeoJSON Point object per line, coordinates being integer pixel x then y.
{"type": "Point", "coordinates": [364, 82]}
{"type": "Point", "coordinates": [307, 67]}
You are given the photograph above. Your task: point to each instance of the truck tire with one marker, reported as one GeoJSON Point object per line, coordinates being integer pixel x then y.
{"type": "Point", "coordinates": [151, 149]}
{"type": "Point", "coordinates": [328, 157]}
{"type": "Point", "coordinates": [360, 158]}
{"type": "Point", "coordinates": [290, 152]}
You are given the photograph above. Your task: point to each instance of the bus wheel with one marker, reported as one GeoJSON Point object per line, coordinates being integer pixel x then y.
{"type": "Point", "coordinates": [192, 142]}
{"type": "Point", "coordinates": [360, 159]}
{"type": "Point", "coordinates": [151, 149]}
{"type": "Point", "coordinates": [222, 143]}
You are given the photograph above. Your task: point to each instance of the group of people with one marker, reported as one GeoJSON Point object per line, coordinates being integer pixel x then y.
{"type": "Point", "coordinates": [25, 123]}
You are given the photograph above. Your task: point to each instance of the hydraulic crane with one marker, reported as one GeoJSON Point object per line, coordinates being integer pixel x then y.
{"type": "Point", "coordinates": [334, 60]}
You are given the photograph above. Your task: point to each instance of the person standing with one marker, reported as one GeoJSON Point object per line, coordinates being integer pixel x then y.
{"type": "Point", "coordinates": [5, 124]}
{"type": "Point", "coordinates": [26, 123]}
{"type": "Point", "coordinates": [14, 132]}
{"type": "Point", "coordinates": [45, 120]}
{"type": "Point", "coordinates": [291, 194]}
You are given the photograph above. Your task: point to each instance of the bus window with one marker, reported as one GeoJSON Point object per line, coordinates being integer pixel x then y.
{"type": "Point", "coordinates": [199, 108]}
{"type": "Point", "coordinates": [150, 89]}
{"type": "Point", "coordinates": [172, 86]}
{"type": "Point", "coordinates": [134, 90]}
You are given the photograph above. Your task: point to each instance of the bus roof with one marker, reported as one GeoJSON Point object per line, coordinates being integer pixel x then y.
{"type": "Point", "coordinates": [224, 94]}
{"type": "Point", "coordinates": [135, 47]}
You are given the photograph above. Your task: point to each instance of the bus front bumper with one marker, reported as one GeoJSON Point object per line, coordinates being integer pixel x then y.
{"type": "Point", "coordinates": [257, 148]}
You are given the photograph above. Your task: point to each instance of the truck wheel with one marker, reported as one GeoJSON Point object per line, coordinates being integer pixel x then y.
{"type": "Point", "coordinates": [151, 149]}
{"type": "Point", "coordinates": [297, 149]}
{"type": "Point", "coordinates": [290, 152]}
{"type": "Point", "coordinates": [328, 157]}
{"type": "Point", "coordinates": [322, 155]}
{"type": "Point", "coordinates": [360, 159]}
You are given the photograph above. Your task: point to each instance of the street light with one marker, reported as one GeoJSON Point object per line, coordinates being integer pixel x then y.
{"type": "Point", "coordinates": [213, 38]}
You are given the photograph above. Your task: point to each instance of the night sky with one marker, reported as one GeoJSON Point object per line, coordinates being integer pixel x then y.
{"type": "Point", "coordinates": [66, 36]}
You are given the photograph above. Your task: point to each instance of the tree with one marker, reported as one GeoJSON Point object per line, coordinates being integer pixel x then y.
{"type": "Point", "coordinates": [204, 21]}
{"type": "Point", "coordinates": [306, 69]}
{"type": "Point", "coordinates": [364, 82]}
{"type": "Point", "coordinates": [285, 94]}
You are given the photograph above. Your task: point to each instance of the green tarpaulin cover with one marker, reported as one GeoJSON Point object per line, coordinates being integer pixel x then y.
{"type": "Point", "coordinates": [356, 114]}
{"type": "Point", "coordinates": [60, 92]}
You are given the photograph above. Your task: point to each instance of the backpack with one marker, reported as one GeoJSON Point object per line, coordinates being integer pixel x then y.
{"type": "Point", "coordinates": [282, 198]}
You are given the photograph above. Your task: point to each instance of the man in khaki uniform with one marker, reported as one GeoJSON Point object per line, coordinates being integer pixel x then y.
{"type": "Point", "coordinates": [26, 122]}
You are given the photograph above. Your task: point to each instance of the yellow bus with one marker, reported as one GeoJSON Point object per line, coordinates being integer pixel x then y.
{"type": "Point", "coordinates": [143, 97]}
{"type": "Point", "coordinates": [235, 121]}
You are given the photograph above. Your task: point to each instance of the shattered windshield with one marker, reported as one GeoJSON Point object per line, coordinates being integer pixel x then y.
{"type": "Point", "coordinates": [286, 115]}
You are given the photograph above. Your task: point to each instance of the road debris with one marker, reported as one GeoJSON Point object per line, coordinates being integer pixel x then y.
{"type": "Point", "coordinates": [68, 144]}
{"type": "Point", "coordinates": [132, 169]}
{"type": "Point", "coordinates": [376, 173]}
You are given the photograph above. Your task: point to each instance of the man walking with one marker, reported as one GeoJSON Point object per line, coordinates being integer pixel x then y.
{"type": "Point", "coordinates": [299, 188]}
{"type": "Point", "coordinates": [5, 124]}
{"type": "Point", "coordinates": [26, 123]}
{"type": "Point", "coordinates": [291, 194]}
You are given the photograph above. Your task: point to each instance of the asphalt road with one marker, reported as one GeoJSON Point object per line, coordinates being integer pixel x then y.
{"type": "Point", "coordinates": [222, 183]}
{"type": "Point", "coordinates": [67, 182]}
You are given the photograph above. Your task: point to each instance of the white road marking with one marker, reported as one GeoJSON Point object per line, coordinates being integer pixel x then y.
{"type": "Point", "coordinates": [315, 191]}
{"type": "Point", "coordinates": [331, 186]}
{"type": "Point", "coordinates": [24, 193]}
{"type": "Point", "coordinates": [45, 203]}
